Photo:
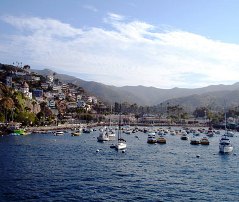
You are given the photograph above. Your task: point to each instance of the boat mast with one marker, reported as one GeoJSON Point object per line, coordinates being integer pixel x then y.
{"type": "Point", "coordinates": [119, 131]}
{"type": "Point", "coordinates": [225, 117]}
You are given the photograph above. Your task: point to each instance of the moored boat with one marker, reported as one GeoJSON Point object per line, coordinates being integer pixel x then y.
{"type": "Point", "coordinates": [225, 145]}
{"type": "Point", "coordinates": [103, 136]}
{"type": "Point", "coordinates": [161, 140]}
{"type": "Point", "coordinates": [121, 143]}
{"type": "Point", "coordinates": [230, 133]}
{"type": "Point", "coordinates": [151, 138]}
{"type": "Point", "coordinates": [184, 137]}
{"type": "Point", "coordinates": [76, 133]}
{"type": "Point", "coordinates": [204, 141]}
{"type": "Point", "coordinates": [194, 141]}
{"type": "Point", "coordinates": [59, 133]}
{"type": "Point", "coordinates": [20, 131]}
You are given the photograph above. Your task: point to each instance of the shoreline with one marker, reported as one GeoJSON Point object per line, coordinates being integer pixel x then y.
{"type": "Point", "coordinates": [38, 129]}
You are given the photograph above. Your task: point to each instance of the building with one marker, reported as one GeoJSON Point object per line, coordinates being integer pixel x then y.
{"type": "Point", "coordinates": [25, 88]}
{"type": "Point", "coordinates": [65, 87]}
{"type": "Point", "coordinates": [71, 105]}
{"type": "Point", "coordinates": [9, 81]}
{"type": "Point", "coordinates": [52, 104]}
{"type": "Point", "coordinates": [37, 94]}
{"type": "Point", "coordinates": [50, 78]}
{"type": "Point", "coordinates": [44, 86]}
{"type": "Point", "coordinates": [81, 103]}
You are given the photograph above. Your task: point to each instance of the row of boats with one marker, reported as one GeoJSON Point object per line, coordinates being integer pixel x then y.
{"type": "Point", "coordinates": [162, 140]}
{"type": "Point", "coordinates": [225, 145]}
{"type": "Point", "coordinates": [109, 134]}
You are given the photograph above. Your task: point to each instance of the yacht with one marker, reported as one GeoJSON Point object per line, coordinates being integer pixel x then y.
{"type": "Point", "coordinates": [225, 145]}
{"type": "Point", "coordinates": [103, 136]}
{"type": "Point", "coordinates": [111, 134]}
{"type": "Point", "coordinates": [151, 138]}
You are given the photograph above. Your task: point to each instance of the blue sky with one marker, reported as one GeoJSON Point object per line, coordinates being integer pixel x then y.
{"type": "Point", "coordinates": [160, 43]}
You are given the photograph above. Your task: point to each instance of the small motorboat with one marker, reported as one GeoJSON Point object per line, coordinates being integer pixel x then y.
{"type": "Point", "coordinates": [204, 141]}
{"type": "Point", "coordinates": [151, 138]}
{"type": "Point", "coordinates": [161, 140]}
{"type": "Point", "coordinates": [59, 133]}
{"type": "Point", "coordinates": [76, 133]}
{"type": "Point", "coordinates": [184, 137]}
{"type": "Point", "coordinates": [194, 141]}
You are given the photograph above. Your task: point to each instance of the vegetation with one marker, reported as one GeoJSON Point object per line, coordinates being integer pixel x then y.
{"type": "Point", "coordinates": [15, 106]}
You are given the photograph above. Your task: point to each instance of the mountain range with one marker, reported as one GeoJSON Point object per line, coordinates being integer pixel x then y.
{"type": "Point", "coordinates": [213, 96]}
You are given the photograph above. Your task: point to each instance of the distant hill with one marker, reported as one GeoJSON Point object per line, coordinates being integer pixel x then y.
{"type": "Point", "coordinates": [210, 95]}
{"type": "Point", "coordinates": [212, 100]}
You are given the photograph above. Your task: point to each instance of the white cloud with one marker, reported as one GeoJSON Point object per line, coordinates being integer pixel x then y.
{"type": "Point", "coordinates": [91, 8]}
{"type": "Point", "coordinates": [115, 17]}
{"type": "Point", "coordinates": [130, 53]}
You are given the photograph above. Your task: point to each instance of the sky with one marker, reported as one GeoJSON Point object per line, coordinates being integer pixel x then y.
{"type": "Point", "coordinates": [159, 43]}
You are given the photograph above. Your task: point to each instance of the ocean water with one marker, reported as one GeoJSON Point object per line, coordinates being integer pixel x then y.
{"type": "Point", "coordinates": [43, 167]}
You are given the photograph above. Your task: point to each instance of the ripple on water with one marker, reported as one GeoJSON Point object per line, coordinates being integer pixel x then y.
{"type": "Point", "coordinates": [50, 168]}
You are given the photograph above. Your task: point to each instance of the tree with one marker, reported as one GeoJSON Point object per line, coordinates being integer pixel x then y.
{"type": "Point", "coordinates": [7, 104]}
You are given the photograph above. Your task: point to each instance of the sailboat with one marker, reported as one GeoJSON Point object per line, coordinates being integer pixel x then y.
{"type": "Point", "coordinates": [111, 132]}
{"type": "Point", "coordinates": [225, 145]}
{"type": "Point", "coordinates": [121, 143]}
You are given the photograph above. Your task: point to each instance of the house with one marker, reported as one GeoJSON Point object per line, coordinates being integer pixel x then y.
{"type": "Point", "coordinates": [9, 81]}
{"type": "Point", "coordinates": [24, 88]}
{"type": "Point", "coordinates": [50, 78]}
{"type": "Point", "coordinates": [71, 105]}
{"type": "Point", "coordinates": [78, 97]}
{"type": "Point", "coordinates": [65, 87]}
{"type": "Point", "coordinates": [94, 100]}
{"type": "Point", "coordinates": [37, 94]}
{"type": "Point", "coordinates": [61, 96]}
{"type": "Point", "coordinates": [81, 103]}
{"type": "Point", "coordinates": [52, 104]}
{"type": "Point", "coordinates": [89, 99]}
{"type": "Point", "coordinates": [44, 86]}
{"type": "Point", "coordinates": [56, 89]}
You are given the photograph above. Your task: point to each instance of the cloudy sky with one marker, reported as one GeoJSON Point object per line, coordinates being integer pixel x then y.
{"type": "Point", "coordinates": [160, 43]}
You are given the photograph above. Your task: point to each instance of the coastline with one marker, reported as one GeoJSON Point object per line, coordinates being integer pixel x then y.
{"type": "Point", "coordinates": [39, 129]}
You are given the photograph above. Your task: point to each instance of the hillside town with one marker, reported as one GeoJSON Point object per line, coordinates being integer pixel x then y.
{"type": "Point", "coordinates": [35, 100]}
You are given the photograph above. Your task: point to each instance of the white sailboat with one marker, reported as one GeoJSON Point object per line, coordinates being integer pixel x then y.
{"type": "Point", "coordinates": [111, 132]}
{"type": "Point", "coordinates": [225, 145]}
{"type": "Point", "coordinates": [121, 143]}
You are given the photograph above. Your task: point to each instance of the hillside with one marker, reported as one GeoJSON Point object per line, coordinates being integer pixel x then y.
{"type": "Point", "coordinates": [210, 95]}
{"type": "Point", "coordinates": [214, 100]}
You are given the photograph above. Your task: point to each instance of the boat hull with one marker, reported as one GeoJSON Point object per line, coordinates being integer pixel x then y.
{"type": "Point", "coordinates": [224, 149]}
{"type": "Point", "coordinates": [120, 146]}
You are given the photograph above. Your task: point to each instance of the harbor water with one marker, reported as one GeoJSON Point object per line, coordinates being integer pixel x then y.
{"type": "Point", "coordinates": [44, 167]}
